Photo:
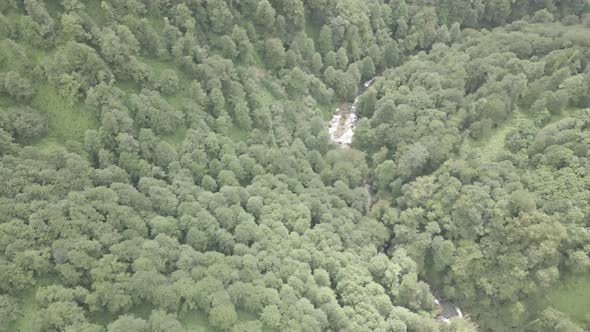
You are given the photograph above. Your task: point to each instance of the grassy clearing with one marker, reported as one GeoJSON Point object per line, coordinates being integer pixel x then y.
{"type": "Point", "coordinates": [237, 134]}
{"type": "Point", "coordinates": [312, 30]}
{"type": "Point", "coordinates": [572, 297]}
{"type": "Point", "coordinates": [128, 86]}
{"type": "Point", "coordinates": [177, 138]}
{"type": "Point", "coordinates": [28, 307]}
{"type": "Point", "coordinates": [28, 311]}
{"type": "Point", "coordinates": [103, 318]}
{"type": "Point", "coordinates": [159, 65]}
{"type": "Point", "coordinates": [491, 145]}
{"type": "Point", "coordinates": [94, 9]}
{"type": "Point", "coordinates": [65, 122]}
{"type": "Point", "coordinates": [195, 320]}
{"type": "Point", "coordinates": [563, 114]}
{"type": "Point", "coordinates": [48, 143]}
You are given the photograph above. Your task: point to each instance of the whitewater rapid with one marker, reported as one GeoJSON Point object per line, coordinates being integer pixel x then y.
{"type": "Point", "coordinates": [341, 127]}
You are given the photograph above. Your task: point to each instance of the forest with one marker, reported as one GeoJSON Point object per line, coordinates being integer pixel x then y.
{"type": "Point", "coordinates": [167, 165]}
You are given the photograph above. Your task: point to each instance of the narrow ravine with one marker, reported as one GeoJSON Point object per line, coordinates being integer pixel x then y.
{"type": "Point", "coordinates": [341, 130]}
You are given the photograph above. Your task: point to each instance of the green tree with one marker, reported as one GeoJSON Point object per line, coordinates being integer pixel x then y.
{"type": "Point", "coordinates": [577, 87]}
{"type": "Point", "coordinates": [75, 68]}
{"type": "Point", "coordinates": [24, 124]}
{"type": "Point", "coordinates": [271, 316]}
{"type": "Point", "coordinates": [274, 53]}
{"type": "Point", "coordinates": [367, 68]}
{"type": "Point", "coordinates": [385, 174]}
{"type": "Point", "coordinates": [244, 46]}
{"type": "Point", "coordinates": [316, 64]}
{"type": "Point", "coordinates": [455, 32]}
{"type": "Point", "coordinates": [59, 315]}
{"type": "Point", "coordinates": [341, 59]}
{"type": "Point", "coordinates": [168, 82]}
{"type": "Point", "coordinates": [413, 161]}
{"type": "Point", "coordinates": [228, 47]}
{"type": "Point", "coordinates": [325, 44]}
{"type": "Point", "coordinates": [265, 16]}
{"type": "Point", "coordinates": [553, 320]}
{"type": "Point", "coordinates": [242, 116]}
{"type": "Point", "coordinates": [16, 86]}
{"type": "Point", "coordinates": [220, 17]}
{"type": "Point", "coordinates": [223, 316]}
{"type": "Point", "coordinates": [40, 16]}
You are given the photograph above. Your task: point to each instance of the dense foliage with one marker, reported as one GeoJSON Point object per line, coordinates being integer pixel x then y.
{"type": "Point", "coordinates": [165, 165]}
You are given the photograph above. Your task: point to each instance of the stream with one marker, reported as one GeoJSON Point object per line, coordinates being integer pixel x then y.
{"type": "Point", "coordinates": [341, 130]}
{"type": "Point", "coordinates": [341, 126]}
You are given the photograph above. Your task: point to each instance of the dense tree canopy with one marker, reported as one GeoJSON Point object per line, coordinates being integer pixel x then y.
{"type": "Point", "coordinates": [166, 165]}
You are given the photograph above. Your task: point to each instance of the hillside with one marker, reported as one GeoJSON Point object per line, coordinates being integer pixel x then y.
{"type": "Point", "coordinates": [170, 165]}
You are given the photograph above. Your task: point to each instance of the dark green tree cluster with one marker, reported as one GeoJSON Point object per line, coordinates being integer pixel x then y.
{"type": "Point", "coordinates": [489, 229]}
{"type": "Point", "coordinates": [282, 246]}
{"type": "Point", "coordinates": [249, 215]}
{"type": "Point", "coordinates": [502, 231]}
{"type": "Point", "coordinates": [418, 113]}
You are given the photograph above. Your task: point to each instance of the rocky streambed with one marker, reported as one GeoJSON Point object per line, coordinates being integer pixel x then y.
{"type": "Point", "coordinates": [341, 126]}
{"type": "Point", "coordinates": [447, 310]}
{"type": "Point", "coordinates": [341, 129]}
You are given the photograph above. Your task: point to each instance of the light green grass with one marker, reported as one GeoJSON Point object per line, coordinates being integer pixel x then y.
{"type": "Point", "coordinates": [65, 121]}
{"type": "Point", "coordinates": [48, 143]}
{"type": "Point", "coordinates": [195, 320]}
{"type": "Point", "coordinates": [312, 31]}
{"type": "Point", "coordinates": [492, 145]}
{"type": "Point", "coordinates": [94, 10]}
{"type": "Point", "coordinates": [103, 318]}
{"type": "Point", "coordinates": [128, 86]}
{"type": "Point", "coordinates": [327, 111]}
{"type": "Point", "coordinates": [159, 65]}
{"type": "Point", "coordinates": [28, 307]}
{"type": "Point", "coordinates": [237, 134]}
{"type": "Point", "coordinates": [572, 297]}
{"type": "Point", "coordinates": [177, 138]}
{"type": "Point", "coordinates": [563, 114]}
